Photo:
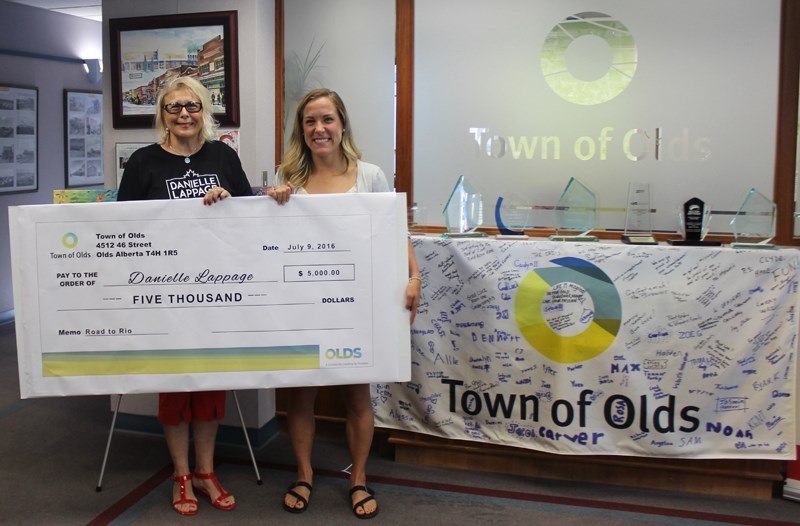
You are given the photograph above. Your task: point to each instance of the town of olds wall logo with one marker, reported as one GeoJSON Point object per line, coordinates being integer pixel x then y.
{"type": "Point", "coordinates": [589, 58]}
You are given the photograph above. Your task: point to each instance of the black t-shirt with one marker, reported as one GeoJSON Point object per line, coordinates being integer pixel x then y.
{"type": "Point", "coordinates": [153, 173]}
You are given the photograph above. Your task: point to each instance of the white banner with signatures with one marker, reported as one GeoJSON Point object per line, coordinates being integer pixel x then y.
{"type": "Point", "coordinates": [152, 296]}
{"type": "Point", "coordinates": [599, 348]}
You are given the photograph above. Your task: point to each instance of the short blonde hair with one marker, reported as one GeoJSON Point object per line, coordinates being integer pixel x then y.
{"type": "Point", "coordinates": [198, 91]}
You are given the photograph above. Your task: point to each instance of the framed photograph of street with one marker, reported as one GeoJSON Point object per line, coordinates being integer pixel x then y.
{"type": "Point", "coordinates": [146, 52]}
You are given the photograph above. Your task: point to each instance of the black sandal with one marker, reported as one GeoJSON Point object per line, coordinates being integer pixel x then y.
{"type": "Point", "coordinates": [360, 504]}
{"type": "Point", "coordinates": [300, 498]}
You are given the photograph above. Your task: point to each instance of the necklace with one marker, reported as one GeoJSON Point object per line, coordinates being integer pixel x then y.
{"type": "Point", "coordinates": [186, 158]}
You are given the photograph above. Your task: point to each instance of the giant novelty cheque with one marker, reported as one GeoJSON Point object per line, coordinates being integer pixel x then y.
{"type": "Point", "coordinates": [599, 348]}
{"type": "Point", "coordinates": [132, 297]}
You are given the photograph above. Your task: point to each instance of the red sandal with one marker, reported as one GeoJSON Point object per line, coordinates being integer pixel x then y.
{"type": "Point", "coordinates": [181, 480]}
{"type": "Point", "coordinates": [217, 503]}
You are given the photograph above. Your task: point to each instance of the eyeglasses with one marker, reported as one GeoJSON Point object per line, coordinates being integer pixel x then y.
{"type": "Point", "coordinates": [176, 107]}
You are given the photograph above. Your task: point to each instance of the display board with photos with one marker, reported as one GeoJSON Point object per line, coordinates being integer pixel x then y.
{"type": "Point", "coordinates": [83, 138]}
{"type": "Point", "coordinates": [19, 129]}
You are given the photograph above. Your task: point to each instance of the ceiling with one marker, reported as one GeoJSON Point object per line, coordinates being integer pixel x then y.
{"type": "Point", "coordinates": [91, 9]}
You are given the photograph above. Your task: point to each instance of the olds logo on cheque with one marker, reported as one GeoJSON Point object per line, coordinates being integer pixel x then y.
{"type": "Point", "coordinates": [343, 353]}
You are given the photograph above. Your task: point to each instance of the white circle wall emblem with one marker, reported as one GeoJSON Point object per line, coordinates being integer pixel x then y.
{"type": "Point", "coordinates": [589, 58]}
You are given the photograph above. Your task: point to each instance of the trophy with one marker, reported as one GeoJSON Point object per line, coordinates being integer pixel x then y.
{"type": "Point", "coordinates": [754, 222]}
{"type": "Point", "coordinates": [638, 216]}
{"type": "Point", "coordinates": [416, 218]}
{"type": "Point", "coordinates": [576, 211]}
{"type": "Point", "coordinates": [693, 220]}
{"type": "Point", "coordinates": [463, 212]}
{"type": "Point", "coordinates": [512, 218]}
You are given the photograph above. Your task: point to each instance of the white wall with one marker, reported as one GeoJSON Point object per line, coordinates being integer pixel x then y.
{"type": "Point", "coordinates": [33, 33]}
{"type": "Point", "coordinates": [356, 60]}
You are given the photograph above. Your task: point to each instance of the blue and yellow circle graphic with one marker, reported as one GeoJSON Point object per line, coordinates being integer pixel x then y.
{"type": "Point", "coordinates": [69, 240]}
{"type": "Point", "coordinates": [589, 58]}
{"type": "Point", "coordinates": [570, 313]}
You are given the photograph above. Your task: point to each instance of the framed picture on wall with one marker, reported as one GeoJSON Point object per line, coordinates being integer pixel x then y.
{"type": "Point", "coordinates": [148, 51]}
{"type": "Point", "coordinates": [83, 138]}
{"type": "Point", "coordinates": [19, 132]}
{"type": "Point", "coordinates": [123, 152]}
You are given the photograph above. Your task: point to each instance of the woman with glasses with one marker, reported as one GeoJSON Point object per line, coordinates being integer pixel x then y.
{"type": "Point", "coordinates": [187, 162]}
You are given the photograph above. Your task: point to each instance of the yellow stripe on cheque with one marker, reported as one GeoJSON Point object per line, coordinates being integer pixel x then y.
{"type": "Point", "coordinates": [180, 361]}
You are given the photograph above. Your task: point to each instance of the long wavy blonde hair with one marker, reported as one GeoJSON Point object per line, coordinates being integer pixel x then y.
{"type": "Point", "coordinates": [298, 163]}
{"type": "Point", "coordinates": [199, 92]}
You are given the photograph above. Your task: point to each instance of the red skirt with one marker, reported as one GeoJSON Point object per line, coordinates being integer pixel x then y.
{"type": "Point", "coordinates": [205, 406]}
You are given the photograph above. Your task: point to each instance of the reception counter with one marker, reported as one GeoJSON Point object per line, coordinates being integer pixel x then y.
{"type": "Point", "coordinates": [642, 365]}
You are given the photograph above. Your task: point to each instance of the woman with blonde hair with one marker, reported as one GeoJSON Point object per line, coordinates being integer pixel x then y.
{"type": "Point", "coordinates": [322, 158]}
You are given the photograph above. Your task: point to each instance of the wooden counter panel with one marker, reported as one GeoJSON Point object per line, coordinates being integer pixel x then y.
{"type": "Point", "coordinates": [755, 479]}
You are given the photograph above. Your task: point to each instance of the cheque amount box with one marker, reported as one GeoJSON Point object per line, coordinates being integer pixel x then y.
{"type": "Point", "coordinates": [331, 272]}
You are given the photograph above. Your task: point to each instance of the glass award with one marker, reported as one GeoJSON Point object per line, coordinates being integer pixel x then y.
{"type": "Point", "coordinates": [693, 220]}
{"type": "Point", "coordinates": [512, 218]}
{"type": "Point", "coordinates": [463, 212]}
{"type": "Point", "coordinates": [416, 218]}
{"type": "Point", "coordinates": [638, 216]}
{"type": "Point", "coordinates": [576, 211]}
{"type": "Point", "coordinates": [754, 222]}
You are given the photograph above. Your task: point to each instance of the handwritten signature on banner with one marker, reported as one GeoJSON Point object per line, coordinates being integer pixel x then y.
{"type": "Point", "coordinates": [602, 349]}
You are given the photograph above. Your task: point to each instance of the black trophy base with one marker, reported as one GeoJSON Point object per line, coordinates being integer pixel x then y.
{"type": "Point", "coordinates": [638, 239]}
{"type": "Point", "coordinates": [693, 243]}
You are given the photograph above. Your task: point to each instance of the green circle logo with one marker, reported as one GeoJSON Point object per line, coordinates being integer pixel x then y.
{"type": "Point", "coordinates": [570, 313]}
{"type": "Point", "coordinates": [589, 58]}
{"type": "Point", "coordinates": [69, 240]}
